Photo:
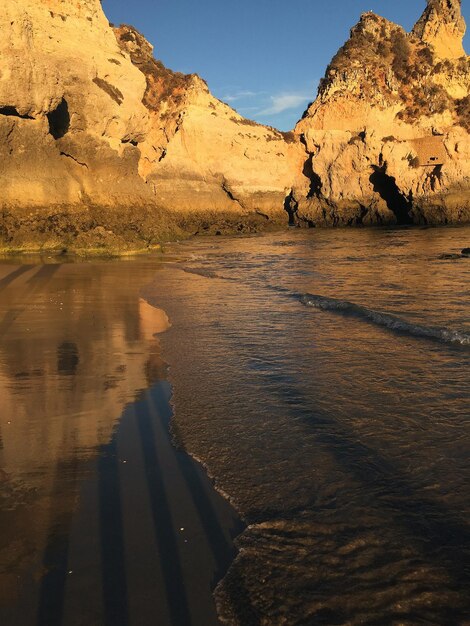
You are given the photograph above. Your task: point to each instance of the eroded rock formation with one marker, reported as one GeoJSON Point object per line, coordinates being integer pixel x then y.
{"type": "Point", "coordinates": [98, 141]}
{"type": "Point", "coordinates": [388, 133]}
{"type": "Point", "coordinates": [443, 27]}
{"type": "Point", "coordinates": [204, 161]}
{"type": "Point", "coordinates": [71, 116]}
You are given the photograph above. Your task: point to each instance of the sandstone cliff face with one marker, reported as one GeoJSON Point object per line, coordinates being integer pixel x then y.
{"type": "Point", "coordinates": [71, 117]}
{"type": "Point", "coordinates": [99, 142]}
{"type": "Point", "coordinates": [203, 160]}
{"type": "Point", "coordinates": [443, 27]}
{"type": "Point", "coordinates": [388, 133]}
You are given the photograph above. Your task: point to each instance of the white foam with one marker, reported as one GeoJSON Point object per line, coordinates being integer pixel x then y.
{"type": "Point", "coordinates": [387, 320]}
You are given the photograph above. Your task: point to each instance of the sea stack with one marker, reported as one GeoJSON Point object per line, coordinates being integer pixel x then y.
{"type": "Point", "coordinates": [388, 133]}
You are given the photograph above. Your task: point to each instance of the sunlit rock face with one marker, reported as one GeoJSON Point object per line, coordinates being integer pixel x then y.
{"type": "Point", "coordinates": [388, 133]}
{"type": "Point", "coordinates": [71, 112]}
{"type": "Point", "coordinates": [202, 158]}
{"type": "Point", "coordinates": [104, 148]}
{"type": "Point", "coordinates": [97, 139]}
{"type": "Point", "coordinates": [443, 27]}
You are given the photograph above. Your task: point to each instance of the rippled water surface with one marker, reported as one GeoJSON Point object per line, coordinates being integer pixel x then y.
{"type": "Point", "coordinates": [322, 378]}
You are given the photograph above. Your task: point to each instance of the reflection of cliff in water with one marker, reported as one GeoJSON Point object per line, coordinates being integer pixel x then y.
{"type": "Point", "coordinates": [76, 345]}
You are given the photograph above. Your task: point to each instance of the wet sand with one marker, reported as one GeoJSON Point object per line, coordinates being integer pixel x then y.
{"type": "Point", "coordinates": [102, 519]}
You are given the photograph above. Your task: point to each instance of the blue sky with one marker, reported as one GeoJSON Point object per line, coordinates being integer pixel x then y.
{"type": "Point", "coordinates": [263, 57]}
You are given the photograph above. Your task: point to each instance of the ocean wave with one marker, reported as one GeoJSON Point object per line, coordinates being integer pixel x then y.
{"type": "Point", "coordinates": [351, 309]}
{"type": "Point", "coordinates": [387, 320]}
{"type": "Point", "coordinates": [202, 271]}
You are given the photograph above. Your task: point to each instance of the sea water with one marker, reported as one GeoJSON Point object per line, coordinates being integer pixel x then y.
{"type": "Point", "coordinates": [322, 378]}
{"type": "Point", "coordinates": [318, 378]}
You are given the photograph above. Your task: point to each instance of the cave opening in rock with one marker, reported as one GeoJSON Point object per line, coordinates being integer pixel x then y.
{"type": "Point", "coordinates": [291, 206]}
{"type": "Point", "coordinates": [13, 112]}
{"type": "Point", "coordinates": [132, 142]}
{"type": "Point", "coordinates": [387, 188]}
{"type": "Point", "coordinates": [59, 120]}
{"type": "Point", "coordinates": [315, 185]}
{"type": "Point", "coordinates": [315, 180]}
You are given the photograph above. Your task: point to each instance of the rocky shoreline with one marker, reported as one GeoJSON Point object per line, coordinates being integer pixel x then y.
{"type": "Point", "coordinates": [94, 231]}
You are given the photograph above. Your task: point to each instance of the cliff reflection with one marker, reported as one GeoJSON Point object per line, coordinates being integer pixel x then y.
{"type": "Point", "coordinates": [76, 346]}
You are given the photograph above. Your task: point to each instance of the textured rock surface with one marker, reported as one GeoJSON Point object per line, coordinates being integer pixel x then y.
{"type": "Point", "coordinates": [388, 133]}
{"type": "Point", "coordinates": [443, 27]}
{"type": "Point", "coordinates": [95, 146]}
{"type": "Point", "coordinates": [203, 160]}
{"type": "Point", "coordinates": [71, 117]}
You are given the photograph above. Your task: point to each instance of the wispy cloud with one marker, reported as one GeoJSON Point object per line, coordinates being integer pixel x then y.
{"type": "Point", "coordinates": [284, 102]}
{"type": "Point", "coordinates": [281, 108]}
{"type": "Point", "coordinates": [241, 95]}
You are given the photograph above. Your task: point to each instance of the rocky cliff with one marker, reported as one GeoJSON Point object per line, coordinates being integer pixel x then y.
{"type": "Point", "coordinates": [71, 118]}
{"type": "Point", "coordinates": [207, 164]}
{"type": "Point", "coordinates": [388, 133]}
{"type": "Point", "coordinates": [99, 142]}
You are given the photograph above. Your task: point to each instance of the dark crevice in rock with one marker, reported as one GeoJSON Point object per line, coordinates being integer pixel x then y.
{"type": "Point", "coordinates": [309, 172]}
{"type": "Point", "coordinates": [387, 188]}
{"type": "Point", "coordinates": [59, 120]}
{"type": "Point", "coordinates": [113, 92]}
{"type": "Point", "coordinates": [69, 156]}
{"type": "Point", "coordinates": [315, 180]}
{"type": "Point", "coordinates": [228, 191]}
{"type": "Point", "coordinates": [132, 142]}
{"type": "Point", "coordinates": [359, 219]}
{"type": "Point", "coordinates": [291, 206]}
{"type": "Point", "coordinates": [13, 112]}
{"type": "Point", "coordinates": [435, 177]}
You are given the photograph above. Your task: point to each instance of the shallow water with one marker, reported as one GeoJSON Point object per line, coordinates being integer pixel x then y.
{"type": "Point", "coordinates": [322, 378]}
{"type": "Point", "coordinates": [102, 520]}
